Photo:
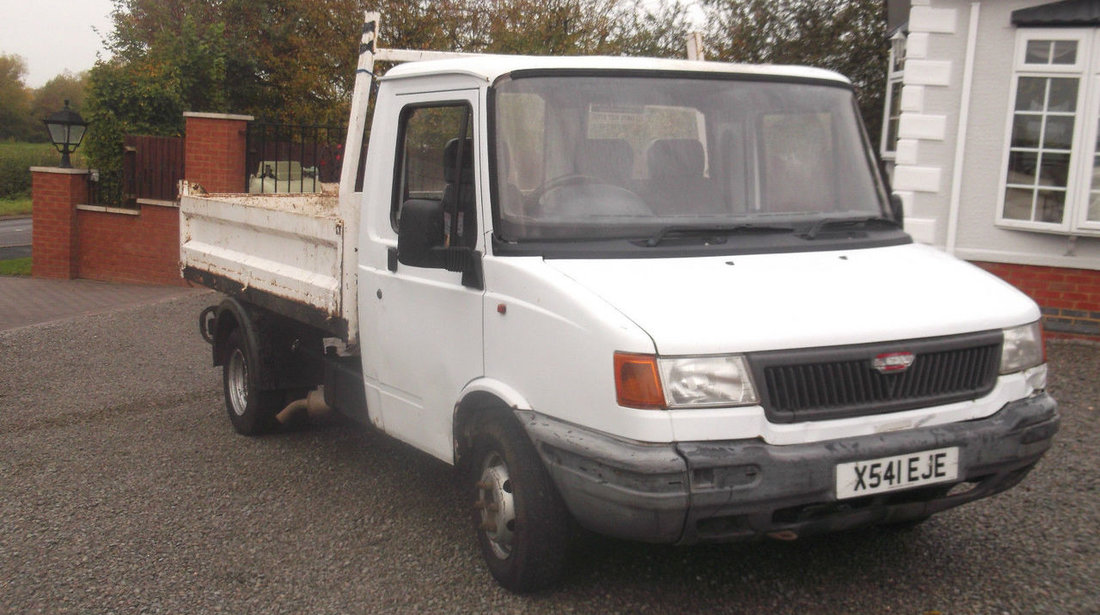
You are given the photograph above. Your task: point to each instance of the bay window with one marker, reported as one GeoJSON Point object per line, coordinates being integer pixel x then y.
{"type": "Point", "coordinates": [1051, 158]}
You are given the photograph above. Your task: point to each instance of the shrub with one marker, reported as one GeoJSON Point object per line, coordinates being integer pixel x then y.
{"type": "Point", "coordinates": [16, 159]}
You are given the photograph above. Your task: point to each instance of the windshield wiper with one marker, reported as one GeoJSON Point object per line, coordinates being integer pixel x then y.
{"type": "Point", "coordinates": [865, 221]}
{"type": "Point", "coordinates": [716, 231]}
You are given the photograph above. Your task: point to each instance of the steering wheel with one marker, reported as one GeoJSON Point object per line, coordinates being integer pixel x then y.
{"type": "Point", "coordinates": [562, 181]}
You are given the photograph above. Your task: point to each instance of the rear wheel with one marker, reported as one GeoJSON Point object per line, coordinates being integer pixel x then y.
{"type": "Point", "coordinates": [251, 410]}
{"type": "Point", "coordinates": [522, 525]}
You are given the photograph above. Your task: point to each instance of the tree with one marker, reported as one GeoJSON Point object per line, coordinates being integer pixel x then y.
{"type": "Point", "coordinates": [847, 36]}
{"type": "Point", "coordinates": [52, 96]}
{"type": "Point", "coordinates": [14, 99]}
{"type": "Point", "coordinates": [293, 61]}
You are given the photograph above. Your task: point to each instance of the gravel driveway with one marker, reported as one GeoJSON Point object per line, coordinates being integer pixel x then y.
{"type": "Point", "coordinates": [123, 489]}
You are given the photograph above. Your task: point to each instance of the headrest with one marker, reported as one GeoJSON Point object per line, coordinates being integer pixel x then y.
{"type": "Point", "coordinates": [450, 155]}
{"type": "Point", "coordinates": [608, 159]}
{"type": "Point", "coordinates": [675, 158]}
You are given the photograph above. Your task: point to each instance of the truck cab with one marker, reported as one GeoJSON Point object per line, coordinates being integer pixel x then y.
{"type": "Point", "coordinates": [670, 301]}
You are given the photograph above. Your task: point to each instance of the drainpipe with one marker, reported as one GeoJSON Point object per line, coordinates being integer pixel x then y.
{"type": "Point", "coordinates": [964, 118]}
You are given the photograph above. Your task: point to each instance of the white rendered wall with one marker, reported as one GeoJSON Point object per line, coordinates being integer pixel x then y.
{"type": "Point", "coordinates": [932, 97]}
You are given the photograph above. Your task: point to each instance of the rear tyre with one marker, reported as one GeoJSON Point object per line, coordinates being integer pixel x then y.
{"type": "Point", "coordinates": [251, 410]}
{"type": "Point", "coordinates": [521, 523]}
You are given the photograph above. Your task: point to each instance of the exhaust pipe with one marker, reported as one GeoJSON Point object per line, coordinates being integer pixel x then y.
{"type": "Point", "coordinates": [314, 405]}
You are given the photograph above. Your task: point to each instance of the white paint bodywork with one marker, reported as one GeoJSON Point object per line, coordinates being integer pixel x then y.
{"type": "Point", "coordinates": [543, 333]}
{"type": "Point", "coordinates": [566, 318]}
{"type": "Point", "coordinates": [759, 302]}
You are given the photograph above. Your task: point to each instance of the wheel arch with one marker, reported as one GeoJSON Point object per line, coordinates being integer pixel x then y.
{"type": "Point", "coordinates": [232, 314]}
{"type": "Point", "coordinates": [479, 398]}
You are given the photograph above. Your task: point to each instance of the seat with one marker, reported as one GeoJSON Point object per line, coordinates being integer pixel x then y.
{"type": "Point", "coordinates": [677, 184]}
{"type": "Point", "coordinates": [610, 160]}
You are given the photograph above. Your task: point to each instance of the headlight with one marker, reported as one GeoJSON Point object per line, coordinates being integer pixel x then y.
{"type": "Point", "coordinates": [1022, 349]}
{"type": "Point", "coordinates": [703, 382]}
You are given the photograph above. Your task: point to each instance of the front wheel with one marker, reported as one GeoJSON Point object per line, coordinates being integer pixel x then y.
{"type": "Point", "coordinates": [522, 525]}
{"type": "Point", "coordinates": [251, 410]}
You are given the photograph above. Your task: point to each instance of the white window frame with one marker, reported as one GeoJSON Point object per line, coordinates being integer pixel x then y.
{"type": "Point", "coordinates": [895, 75]}
{"type": "Point", "coordinates": [1086, 69]}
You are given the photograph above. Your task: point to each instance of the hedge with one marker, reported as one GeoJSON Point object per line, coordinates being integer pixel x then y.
{"type": "Point", "coordinates": [16, 159]}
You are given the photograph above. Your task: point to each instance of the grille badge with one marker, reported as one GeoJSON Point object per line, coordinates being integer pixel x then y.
{"type": "Point", "coordinates": [892, 362]}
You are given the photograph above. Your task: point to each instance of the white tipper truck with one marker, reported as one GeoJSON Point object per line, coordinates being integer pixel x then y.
{"type": "Point", "coordinates": [668, 301]}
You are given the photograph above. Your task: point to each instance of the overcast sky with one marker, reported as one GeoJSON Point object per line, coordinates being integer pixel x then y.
{"type": "Point", "coordinates": [57, 35]}
{"type": "Point", "coordinates": [53, 35]}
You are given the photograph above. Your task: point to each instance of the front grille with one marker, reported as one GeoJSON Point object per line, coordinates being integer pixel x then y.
{"type": "Point", "coordinates": [837, 382]}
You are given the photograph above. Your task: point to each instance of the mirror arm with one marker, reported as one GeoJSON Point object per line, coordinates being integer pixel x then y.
{"type": "Point", "coordinates": [464, 261]}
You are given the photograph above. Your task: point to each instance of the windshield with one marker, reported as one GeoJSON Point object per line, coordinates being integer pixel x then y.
{"type": "Point", "coordinates": [600, 157]}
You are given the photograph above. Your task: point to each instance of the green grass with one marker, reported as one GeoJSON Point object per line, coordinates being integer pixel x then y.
{"type": "Point", "coordinates": [18, 266]}
{"type": "Point", "coordinates": [19, 206]}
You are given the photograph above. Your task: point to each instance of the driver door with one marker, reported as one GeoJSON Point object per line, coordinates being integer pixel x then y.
{"type": "Point", "coordinates": [425, 326]}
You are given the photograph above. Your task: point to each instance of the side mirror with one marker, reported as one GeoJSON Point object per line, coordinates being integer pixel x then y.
{"type": "Point", "coordinates": [420, 243]}
{"type": "Point", "coordinates": [896, 209]}
{"type": "Point", "coordinates": [420, 230]}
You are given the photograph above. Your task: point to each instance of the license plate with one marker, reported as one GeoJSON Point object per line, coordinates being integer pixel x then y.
{"type": "Point", "coordinates": [860, 478]}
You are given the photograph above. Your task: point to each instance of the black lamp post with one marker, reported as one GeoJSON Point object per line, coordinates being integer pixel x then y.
{"type": "Point", "coordinates": [66, 130]}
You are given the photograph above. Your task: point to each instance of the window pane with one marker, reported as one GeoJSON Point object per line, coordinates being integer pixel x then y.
{"type": "Point", "coordinates": [1065, 52]}
{"type": "Point", "coordinates": [520, 160]}
{"type": "Point", "coordinates": [1050, 205]}
{"type": "Point", "coordinates": [1063, 94]}
{"type": "Point", "coordinates": [1038, 52]}
{"type": "Point", "coordinates": [674, 150]}
{"type": "Point", "coordinates": [893, 119]}
{"type": "Point", "coordinates": [1018, 204]}
{"type": "Point", "coordinates": [1026, 130]}
{"type": "Point", "coordinates": [1030, 94]}
{"type": "Point", "coordinates": [429, 163]}
{"type": "Point", "coordinates": [1094, 195]}
{"type": "Point", "coordinates": [1054, 169]}
{"type": "Point", "coordinates": [427, 132]}
{"type": "Point", "coordinates": [795, 147]}
{"type": "Point", "coordinates": [1059, 133]}
{"type": "Point", "coordinates": [1021, 168]}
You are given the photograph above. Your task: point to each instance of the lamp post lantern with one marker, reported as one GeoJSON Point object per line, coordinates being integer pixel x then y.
{"type": "Point", "coordinates": [66, 131]}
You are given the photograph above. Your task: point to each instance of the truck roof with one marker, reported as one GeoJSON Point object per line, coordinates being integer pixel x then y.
{"type": "Point", "coordinates": [491, 67]}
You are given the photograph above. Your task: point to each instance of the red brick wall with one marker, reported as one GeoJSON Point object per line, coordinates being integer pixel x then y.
{"type": "Point", "coordinates": [55, 193]}
{"type": "Point", "coordinates": [214, 153]}
{"type": "Point", "coordinates": [1069, 298]}
{"type": "Point", "coordinates": [138, 246]}
{"type": "Point", "coordinates": [122, 247]}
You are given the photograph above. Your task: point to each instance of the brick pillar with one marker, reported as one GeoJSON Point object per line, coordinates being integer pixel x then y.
{"type": "Point", "coordinates": [55, 193]}
{"type": "Point", "coordinates": [214, 151]}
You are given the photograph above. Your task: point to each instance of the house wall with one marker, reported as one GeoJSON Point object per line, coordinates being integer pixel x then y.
{"type": "Point", "coordinates": [932, 103]}
{"type": "Point", "coordinates": [978, 238]}
{"type": "Point", "coordinates": [932, 172]}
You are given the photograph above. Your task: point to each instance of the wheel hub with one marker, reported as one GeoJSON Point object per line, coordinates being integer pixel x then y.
{"type": "Point", "coordinates": [238, 382]}
{"type": "Point", "coordinates": [496, 503]}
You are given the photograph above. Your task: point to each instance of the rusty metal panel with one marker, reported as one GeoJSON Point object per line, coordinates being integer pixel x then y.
{"type": "Point", "coordinates": [289, 246]}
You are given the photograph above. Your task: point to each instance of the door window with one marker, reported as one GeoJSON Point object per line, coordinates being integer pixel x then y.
{"type": "Point", "coordinates": [437, 163]}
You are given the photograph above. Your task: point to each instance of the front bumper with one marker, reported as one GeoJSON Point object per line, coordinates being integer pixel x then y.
{"type": "Point", "coordinates": [729, 490]}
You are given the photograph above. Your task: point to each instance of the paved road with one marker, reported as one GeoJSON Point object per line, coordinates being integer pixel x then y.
{"type": "Point", "coordinates": [15, 232]}
{"type": "Point", "coordinates": [124, 489]}
{"type": "Point", "coordinates": [15, 238]}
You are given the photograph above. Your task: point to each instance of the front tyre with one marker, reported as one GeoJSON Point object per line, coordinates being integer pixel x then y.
{"type": "Point", "coordinates": [522, 525]}
{"type": "Point", "coordinates": [251, 410]}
